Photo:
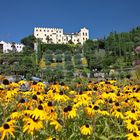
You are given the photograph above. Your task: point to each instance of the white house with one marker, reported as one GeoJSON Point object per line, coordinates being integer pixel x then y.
{"type": "Point", "coordinates": [5, 47]}
{"type": "Point", "coordinates": [57, 35]}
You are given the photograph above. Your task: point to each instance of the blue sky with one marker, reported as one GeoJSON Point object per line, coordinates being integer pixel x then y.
{"type": "Point", "coordinates": [19, 17]}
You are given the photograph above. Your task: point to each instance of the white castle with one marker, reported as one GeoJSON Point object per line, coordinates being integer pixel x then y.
{"type": "Point", "coordinates": [5, 47]}
{"type": "Point", "coordinates": [57, 35]}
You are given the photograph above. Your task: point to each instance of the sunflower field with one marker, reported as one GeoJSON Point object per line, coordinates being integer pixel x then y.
{"type": "Point", "coordinates": [104, 110]}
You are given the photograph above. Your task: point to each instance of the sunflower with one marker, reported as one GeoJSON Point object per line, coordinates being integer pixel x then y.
{"type": "Point", "coordinates": [117, 113]}
{"type": "Point", "coordinates": [55, 87]}
{"type": "Point", "coordinates": [131, 114]}
{"type": "Point", "coordinates": [131, 125]}
{"type": "Point", "coordinates": [49, 106]}
{"type": "Point", "coordinates": [56, 124]}
{"type": "Point", "coordinates": [63, 86]}
{"type": "Point", "coordinates": [90, 85]}
{"type": "Point", "coordinates": [21, 82]}
{"type": "Point", "coordinates": [61, 97]}
{"type": "Point", "coordinates": [86, 130]}
{"type": "Point", "coordinates": [133, 136]}
{"type": "Point", "coordinates": [81, 99]}
{"type": "Point", "coordinates": [10, 94]}
{"type": "Point", "coordinates": [38, 113]}
{"type": "Point", "coordinates": [65, 113]}
{"type": "Point", "coordinates": [14, 85]}
{"type": "Point", "coordinates": [136, 104]}
{"type": "Point", "coordinates": [78, 85]}
{"type": "Point", "coordinates": [99, 100]}
{"type": "Point", "coordinates": [15, 115]}
{"type": "Point", "coordinates": [71, 112]}
{"type": "Point", "coordinates": [52, 115]}
{"type": "Point", "coordinates": [103, 112]}
{"type": "Point", "coordinates": [113, 96]}
{"type": "Point", "coordinates": [31, 124]}
{"type": "Point", "coordinates": [7, 129]}
{"type": "Point", "coordinates": [89, 111]}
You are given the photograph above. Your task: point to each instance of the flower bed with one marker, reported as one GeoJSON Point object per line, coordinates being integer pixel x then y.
{"type": "Point", "coordinates": [101, 110]}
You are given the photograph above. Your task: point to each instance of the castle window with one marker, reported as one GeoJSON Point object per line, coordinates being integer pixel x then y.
{"type": "Point", "coordinates": [37, 34]}
{"type": "Point", "coordinates": [40, 30]}
{"type": "Point", "coordinates": [83, 34]}
{"type": "Point", "coordinates": [37, 30]}
{"type": "Point", "coordinates": [45, 35]}
{"type": "Point", "coordinates": [83, 38]}
{"type": "Point", "coordinates": [44, 30]}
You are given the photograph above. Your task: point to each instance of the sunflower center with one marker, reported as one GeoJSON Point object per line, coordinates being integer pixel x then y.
{"type": "Point", "coordinates": [117, 104]}
{"type": "Point", "coordinates": [126, 100]}
{"type": "Point", "coordinates": [62, 84]}
{"type": "Point", "coordinates": [6, 82]}
{"type": "Point", "coordinates": [54, 91]}
{"type": "Point", "coordinates": [135, 134]}
{"type": "Point", "coordinates": [110, 101]}
{"type": "Point", "coordinates": [40, 107]}
{"type": "Point", "coordinates": [87, 126]}
{"type": "Point", "coordinates": [38, 93]}
{"type": "Point", "coordinates": [118, 110]}
{"type": "Point", "coordinates": [118, 94]}
{"type": "Point", "coordinates": [53, 138]}
{"type": "Point", "coordinates": [22, 100]}
{"type": "Point", "coordinates": [6, 126]}
{"type": "Point", "coordinates": [126, 92]}
{"type": "Point", "coordinates": [90, 106]}
{"type": "Point", "coordinates": [50, 104]}
{"type": "Point", "coordinates": [69, 108]}
{"type": "Point", "coordinates": [65, 109]}
{"type": "Point", "coordinates": [34, 97]}
{"type": "Point", "coordinates": [96, 107]}
{"type": "Point", "coordinates": [132, 122]}
{"type": "Point", "coordinates": [61, 93]}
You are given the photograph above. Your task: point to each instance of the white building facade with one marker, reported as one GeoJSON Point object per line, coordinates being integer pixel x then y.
{"type": "Point", "coordinates": [6, 47]}
{"type": "Point", "coordinates": [57, 35]}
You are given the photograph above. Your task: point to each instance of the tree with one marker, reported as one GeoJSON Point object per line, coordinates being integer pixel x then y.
{"type": "Point", "coordinates": [27, 51]}
{"type": "Point", "coordinates": [137, 65]}
{"type": "Point", "coordinates": [29, 41]}
{"type": "Point", "coordinates": [70, 42]}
